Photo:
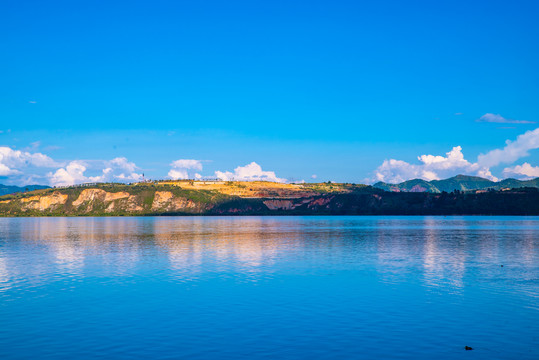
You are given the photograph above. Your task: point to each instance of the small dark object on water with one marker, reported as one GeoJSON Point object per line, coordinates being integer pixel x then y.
{"type": "Point", "coordinates": [468, 348]}
{"type": "Point", "coordinates": [501, 265]}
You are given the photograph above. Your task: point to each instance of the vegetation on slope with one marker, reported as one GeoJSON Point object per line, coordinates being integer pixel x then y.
{"type": "Point", "coordinates": [459, 182]}
{"type": "Point", "coordinates": [309, 199]}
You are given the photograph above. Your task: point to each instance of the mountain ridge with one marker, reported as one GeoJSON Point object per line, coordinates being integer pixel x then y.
{"type": "Point", "coordinates": [12, 189]}
{"type": "Point", "coordinates": [458, 182]}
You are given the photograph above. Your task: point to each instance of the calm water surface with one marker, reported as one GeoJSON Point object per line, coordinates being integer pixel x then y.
{"type": "Point", "coordinates": [269, 288]}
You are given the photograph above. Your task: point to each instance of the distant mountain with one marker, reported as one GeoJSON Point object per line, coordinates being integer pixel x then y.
{"type": "Point", "coordinates": [415, 185]}
{"type": "Point", "coordinates": [459, 182]}
{"type": "Point", "coordinates": [464, 183]}
{"type": "Point", "coordinates": [11, 189]}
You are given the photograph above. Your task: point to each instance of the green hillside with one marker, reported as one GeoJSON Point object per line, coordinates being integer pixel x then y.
{"type": "Point", "coordinates": [232, 198]}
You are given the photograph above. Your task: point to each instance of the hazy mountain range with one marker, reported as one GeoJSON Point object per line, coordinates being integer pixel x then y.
{"type": "Point", "coordinates": [459, 182]}
{"type": "Point", "coordinates": [12, 189]}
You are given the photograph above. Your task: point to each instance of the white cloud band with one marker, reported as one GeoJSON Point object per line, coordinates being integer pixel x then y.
{"type": "Point", "coordinates": [249, 172]}
{"type": "Point", "coordinates": [437, 167]}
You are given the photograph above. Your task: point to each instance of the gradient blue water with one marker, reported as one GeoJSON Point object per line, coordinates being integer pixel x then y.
{"type": "Point", "coordinates": [269, 288]}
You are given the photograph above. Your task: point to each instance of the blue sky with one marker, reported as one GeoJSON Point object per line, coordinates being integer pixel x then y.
{"type": "Point", "coordinates": [333, 89]}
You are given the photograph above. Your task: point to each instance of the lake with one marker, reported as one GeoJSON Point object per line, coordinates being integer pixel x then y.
{"type": "Point", "coordinates": [269, 288]}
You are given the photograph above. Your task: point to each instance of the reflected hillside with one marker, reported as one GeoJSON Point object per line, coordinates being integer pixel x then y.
{"type": "Point", "coordinates": [186, 248]}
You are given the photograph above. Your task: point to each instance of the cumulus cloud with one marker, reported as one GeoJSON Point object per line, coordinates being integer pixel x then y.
{"type": "Point", "coordinates": [432, 167]}
{"type": "Point", "coordinates": [12, 162]}
{"type": "Point", "coordinates": [497, 118]}
{"type": "Point", "coordinates": [122, 163]}
{"type": "Point", "coordinates": [180, 169]}
{"type": "Point", "coordinates": [249, 172]}
{"type": "Point", "coordinates": [118, 169]}
{"type": "Point", "coordinates": [72, 174]}
{"type": "Point", "coordinates": [5, 171]}
{"type": "Point", "coordinates": [454, 159]}
{"type": "Point", "coordinates": [178, 174]}
{"type": "Point", "coordinates": [436, 167]}
{"type": "Point", "coordinates": [524, 171]}
{"type": "Point", "coordinates": [25, 166]}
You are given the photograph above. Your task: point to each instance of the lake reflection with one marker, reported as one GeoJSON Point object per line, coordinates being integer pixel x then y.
{"type": "Point", "coordinates": [269, 287]}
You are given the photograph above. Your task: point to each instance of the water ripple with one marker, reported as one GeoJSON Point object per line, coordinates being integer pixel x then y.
{"type": "Point", "coordinates": [269, 287]}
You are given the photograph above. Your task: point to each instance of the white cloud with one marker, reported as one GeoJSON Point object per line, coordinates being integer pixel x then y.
{"type": "Point", "coordinates": [454, 159]}
{"type": "Point", "coordinates": [122, 163]}
{"type": "Point", "coordinates": [12, 162]}
{"type": "Point", "coordinates": [249, 172]}
{"type": "Point", "coordinates": [17, 158]}
{"type": "Point", "coordinates": [497, 118]}
{"type": "Point", "coordinates": [118, 169]}
{"type": "Point", "coordinates": [25, 167]}
{"type": "Point", "coordinates": [524, 171]}
{"type": "Point", "coordinates": [437, 167]}
{"type": "Point", "coordinates": [178, 174]}
{"type": "Point", "coordinates": [512, 151]}
{"type": "Point", "coordinates": [396, 171]}
{"type": "Point", "coordinates": [180, 167]}
{"type": "Point", "coordinates": [72, 174]}
{"type": "Point", "coordinates": [187, 164]}
{"type": "Point", "coordinates": [431, 168]}
{"type": "Point", "coordinates": [5, 171]}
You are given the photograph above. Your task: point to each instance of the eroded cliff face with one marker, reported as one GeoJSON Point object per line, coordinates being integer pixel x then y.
{"type": "Point", "coordinates": [92, 199]}
{"type": "Point", "coordinates": [166, 201]}
{"type": "Point", "coordinates": [90, 195]}
{"type": "Point", "coordinates": [40, 203]}
{"type": "Point", "coordinates": [43, 203]}
{"type": "Point", "coordinates": [98, 201]}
